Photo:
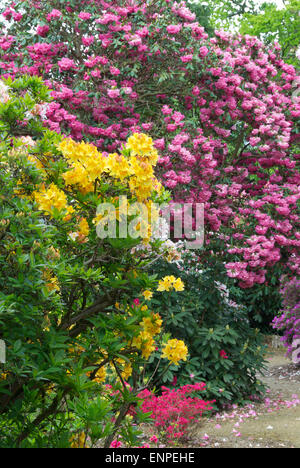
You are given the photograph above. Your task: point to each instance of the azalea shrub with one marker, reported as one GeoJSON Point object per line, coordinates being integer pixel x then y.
{"type": "Point", "coordinates": [175, 411]}
{"type": "Point", "coordinates": [225, 351]}
{"type": "Point", "coordinates": [287, 321]}
{"type": "Point", "coordinates": [73, 309]}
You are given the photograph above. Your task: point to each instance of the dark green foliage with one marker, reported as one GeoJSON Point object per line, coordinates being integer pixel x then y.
{"type": "Point", "coordinates": [262, 301]}
{"type": "Point", "coordinates": [204, 318]}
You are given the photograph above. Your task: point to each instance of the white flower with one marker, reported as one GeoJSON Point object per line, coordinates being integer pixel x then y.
{"type": "Point", "coordinates": [161, 230]}
{"type": "Point", "coordinates": [26, 141]}
{"type": "Point", "coordinates": [73, 236]}
{"type": "Point", "coordinates": [4, 96]}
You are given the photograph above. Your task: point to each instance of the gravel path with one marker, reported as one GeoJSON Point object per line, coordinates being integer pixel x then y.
{"type": "Point", "coordinates": [275, 423]}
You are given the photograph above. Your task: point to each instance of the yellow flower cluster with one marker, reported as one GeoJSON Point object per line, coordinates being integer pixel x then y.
{"type": "Point", "coordinates": [50, 199]}
{"type": "Point", "coordinates": [141, 183]}
{"type": "Point", "coordinates": [170, 282]}
{"type": "Point", "coordinates": [83, 232]}
{"type": "Point", "coordinates": [85, 162]}
{"type": "Point", "coordinates": [87, 165]}
{"type": "Point", "coordinates": [141, 145]}
{"type": "Point", "coordinates": [145, 342]}
{"type": "Point", "coordinates": [84, 227]}
{"type": "Point", "coordinates": [87, 169]}
{"type": "Point", "coordinates": [118, 166]}
{"type": "Point", "coordinates": [100, 375]}
{"type": "Point", "coordinates": [126, 368]}
{"type": "Point", "coordinates": [147, 295]}
{"type": "Point", "coordinates": [175, 351]}
{"type": "Point", "coordinates": [51, 281]}
{"type": "Point", "coordinates": [78, 440]}
{"type": "Point", "coordinates": [77, 350]}
{"type": "Point", "coordinates": [151, 326]}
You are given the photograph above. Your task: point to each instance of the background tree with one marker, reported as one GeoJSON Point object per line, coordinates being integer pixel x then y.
{"type": "Point", "coordinates": [273, 24]}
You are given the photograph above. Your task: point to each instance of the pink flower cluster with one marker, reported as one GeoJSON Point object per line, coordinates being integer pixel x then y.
{"type": "Point", "coordinates": [54, 14]}
{"type": "Point", "coordinates": [174, 410]}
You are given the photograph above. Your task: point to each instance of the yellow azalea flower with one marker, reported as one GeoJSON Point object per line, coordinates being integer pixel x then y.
{"type": "Point", "coordinates": [118, 166]}
{"type": "Point", "coordinates": [86, 164]}
{"type": "Point", "coordinates": [147, 295]}
{"type": "Point", "coordinates": [170, 282]}
{"type": "Point", "coordinates": [145, 343]}
{"type": "Point", "coordinates": [127, 371]}
{"type": "Point", "coordinates": [100, 375]}
{"type": "Point", "coordinates": [178, 285]}
{"type": "Point", "coordinates": [50, 199]}
{"type": "Point", "coordinates": [77, 175]}
{"type": "Point", "coordinates": [175, 350]}
{"type": "Point", "coordinates": [126, 368]}
{"type": "Point", "coordinates": [84, 227]}
{"type": "Point", "coordinates": [70, 211]}
{"type": "Point", "coordinates": [140, 144]}
{"type": "Point", "coordinates": [78, 440]}
{"type": "Point", "coordinates": [166, 283]}
{"type": "Point", "coordinates": [78, 151]}
{"type": "Point", "coordinates": [51, 281]}
{"type": "Point", "coordinates": [152, 324]}
{"type": "Point", "coordinates": [98, 219]}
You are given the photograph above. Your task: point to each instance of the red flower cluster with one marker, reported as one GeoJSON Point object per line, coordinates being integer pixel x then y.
{"type": "Point", "coordinates": [223, 354]}
{"type": "Point", "coordinates": [174, 410]}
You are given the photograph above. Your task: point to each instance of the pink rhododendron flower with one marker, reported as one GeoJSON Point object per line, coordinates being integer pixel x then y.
{"type": "Point", "coordinates": [84, 15]}
{"type": "Point", "coordinates": [42, 30]}
{"type": "Point", "coordinates": [66, 64]}
{"type": "Point", "coordinates": [174, 28]}
{"type": "Point", "coordinates": [55, 14]}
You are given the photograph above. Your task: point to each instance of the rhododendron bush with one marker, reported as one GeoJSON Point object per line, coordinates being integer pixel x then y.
{"type": "Point", "coordinates": [222, 112]}
{"type": "Point", "coordinates": [75, 310]}
{"type": "Point", "coordinates": [225, 351]}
